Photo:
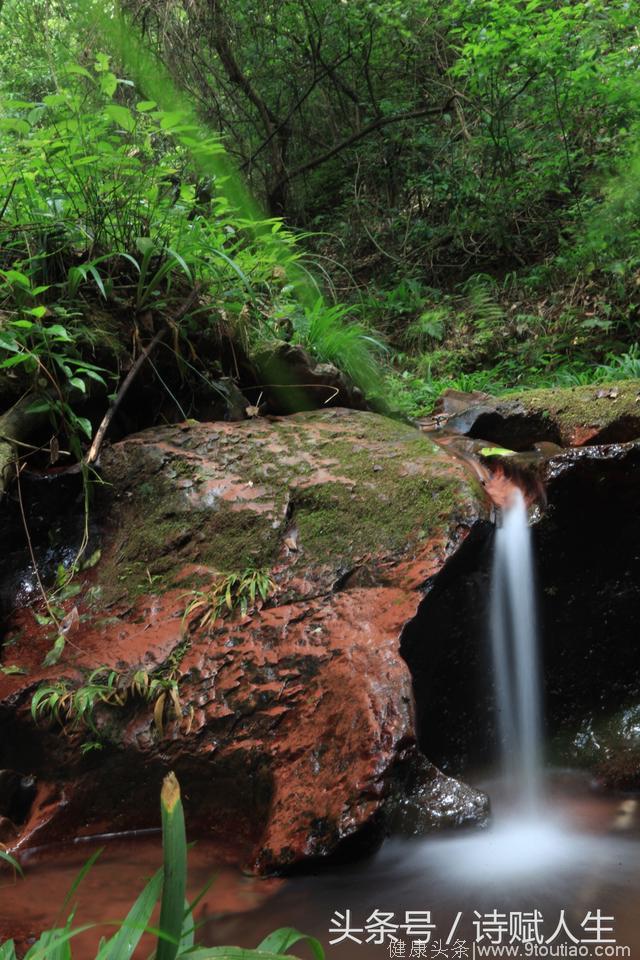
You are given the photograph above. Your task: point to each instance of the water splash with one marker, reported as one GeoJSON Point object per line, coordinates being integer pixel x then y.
{"type": "Point", "coordinates": [514, 640]}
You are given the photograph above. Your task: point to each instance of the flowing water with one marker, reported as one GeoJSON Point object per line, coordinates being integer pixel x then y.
{"type": "Point", "coordinates": [514, 642]}
{"type": "Point", "coordinates": [579, 862]}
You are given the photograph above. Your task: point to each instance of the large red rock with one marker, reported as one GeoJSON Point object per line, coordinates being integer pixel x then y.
{"type": "Point", "coordinates": [291, 725]}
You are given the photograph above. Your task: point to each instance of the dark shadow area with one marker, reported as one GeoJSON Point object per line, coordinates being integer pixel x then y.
{"type": "Point", "coordinates": [445, 648]}
{"type": "Point", "coordinates": [54, 511]}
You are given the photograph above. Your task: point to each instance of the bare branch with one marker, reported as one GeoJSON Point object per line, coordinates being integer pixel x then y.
{"type": "Point", "coordinates": [377, 124]}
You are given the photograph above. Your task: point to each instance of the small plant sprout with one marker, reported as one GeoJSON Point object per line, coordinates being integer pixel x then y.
{"type": "Point", "coordinates": [232, 592]}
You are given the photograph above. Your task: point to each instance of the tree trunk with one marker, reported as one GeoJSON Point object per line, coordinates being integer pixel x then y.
{"type": "Point", "coordinates": [16, 426]}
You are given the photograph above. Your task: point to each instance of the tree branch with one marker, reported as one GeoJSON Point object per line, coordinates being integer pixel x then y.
{"type": "Point", "coordinates": [360, 134]}
{"type": "Point", "coordinates": [101, 432]}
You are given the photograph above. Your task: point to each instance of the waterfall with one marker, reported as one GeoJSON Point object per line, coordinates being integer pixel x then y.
{"type": "Point", "coordinates": [514, 639]}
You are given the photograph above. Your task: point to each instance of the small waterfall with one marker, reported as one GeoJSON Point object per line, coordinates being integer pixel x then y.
{"type": "Point", "coordinates": [514, 639]}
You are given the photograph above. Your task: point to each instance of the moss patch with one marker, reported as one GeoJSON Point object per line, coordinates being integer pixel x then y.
{"type": "Point", "coordinates": [599, 407]}
{"type": "Point", "coordinates": [227, 495]}
{"type": "Point", "coordinates": [340, 524]}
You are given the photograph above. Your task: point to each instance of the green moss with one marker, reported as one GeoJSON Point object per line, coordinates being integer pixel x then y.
{"type": "Point", "coordinates": [400, 494]}
{"type": "Point", "coordinates": [572, 407]}
{"type": "Point", "coordinates": [337, 523]}
{"type": "Point", "coordinates": [156, 550]}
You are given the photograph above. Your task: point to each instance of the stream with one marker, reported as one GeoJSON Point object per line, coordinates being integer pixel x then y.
{"type": "Point", "coordinates": [580, 856]}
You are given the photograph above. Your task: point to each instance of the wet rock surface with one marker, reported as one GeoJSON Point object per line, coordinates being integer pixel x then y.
{"type": "Point", "coordinates": [290, 726]}
{"type": "Point", "coordinates": [429, 800]}
{"type": "Point", "coordinates": [571, 416]}
{"type": "Point", "coordinates": [590, 586]}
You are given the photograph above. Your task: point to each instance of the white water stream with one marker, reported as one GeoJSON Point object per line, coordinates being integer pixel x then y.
{"type": "Point", "coordinates": [514, 641]}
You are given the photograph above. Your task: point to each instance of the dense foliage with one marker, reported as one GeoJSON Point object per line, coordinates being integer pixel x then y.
{"type": "Point", "coordinates": [469, 165]}
{"type": "Point", "coordinates": [456, 179]}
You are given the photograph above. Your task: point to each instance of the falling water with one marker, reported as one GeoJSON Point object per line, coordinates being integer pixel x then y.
{"type": "Point", "coordinates": [515, 653]}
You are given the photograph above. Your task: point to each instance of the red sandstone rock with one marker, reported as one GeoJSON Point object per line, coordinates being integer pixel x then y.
{"type": "Point", "coordinates": [294, 726]}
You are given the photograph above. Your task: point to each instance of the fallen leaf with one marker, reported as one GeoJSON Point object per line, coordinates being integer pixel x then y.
{"type": "Point", "coordinates": [496, 452]}
{"type": "Point", "coordinates": [70, 623]}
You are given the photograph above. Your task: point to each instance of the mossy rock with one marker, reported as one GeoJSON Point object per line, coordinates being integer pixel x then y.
{"type": "Point", "coordinates": [315, 495]}
{"type": "Point", "coordinates": [606, 413]}
{"type": "Point", "coordinates": [293, 728]}
{"type": "Point", "coordinates": [567, 416]}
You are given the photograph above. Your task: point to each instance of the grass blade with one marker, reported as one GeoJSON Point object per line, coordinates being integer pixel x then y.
{"type": "Point", "coordinates": [7, 858]}
{"type": "Point", "coordinates": [124, 943]}
{"type": "Point", "coordinates": [280, 940]}
{"type": "Point", "coordinates": [80, 877]}
{"type": "Point", "coordinates": [175, 868]}
{"type": "Point", "coordinates": [53, 940]}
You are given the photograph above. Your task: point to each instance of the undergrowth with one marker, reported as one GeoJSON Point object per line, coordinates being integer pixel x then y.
{"type": "Point", "coordinates": [73, 706]}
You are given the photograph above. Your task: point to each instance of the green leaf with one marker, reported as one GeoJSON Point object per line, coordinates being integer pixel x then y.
{"type": "Point", "coordinates": [102, 63]}
{"type": "Point", "coordinates": [14, 125]}
{"type": "Point", "coordinates": [43, 406]}
{"type": "Point", "coordinates": [78, 384]}
{"type": "Point", "coordinates": [76, 70]}
{"type": "Point", "coordinates": [122, 946]}
{"type": "Point", "coordinates": [109, 83]}
{"type": "Point", "coordinates": [496, 452]}
{"type": "Point", "coordinates": [280, 940]}
{"type": "Point", "coordinates": [15, 360]}
{"type": "Point", "coordinates": [181, 261]}
{"type": "Point", "coordinates": [11, 345]}
{"type": "Point", "coordinates": [92, 560]}
{"type": "Point", "coordinates": [58, 331]}
{"type": "Point", "coordinates": [98, 279]}
{"type": "Point", "coordinates": [85, 426]}
{"type": "Point", "coordinates": [93, 375]}
{"type": "Point", "coordinates": [121, 116]}
{"type": "Point", "coordinates": [145, 105]}
{"type": "Point", "coordinates": [53, 656]}
{"type": "Point", "coordinates": [54, 100]}
{"type": "Point", "coordinates": [52, 941]}
{"type": "Point", "coordinates": [16, 277]}
{"type": "Point", "coordinates": [146, 246]}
